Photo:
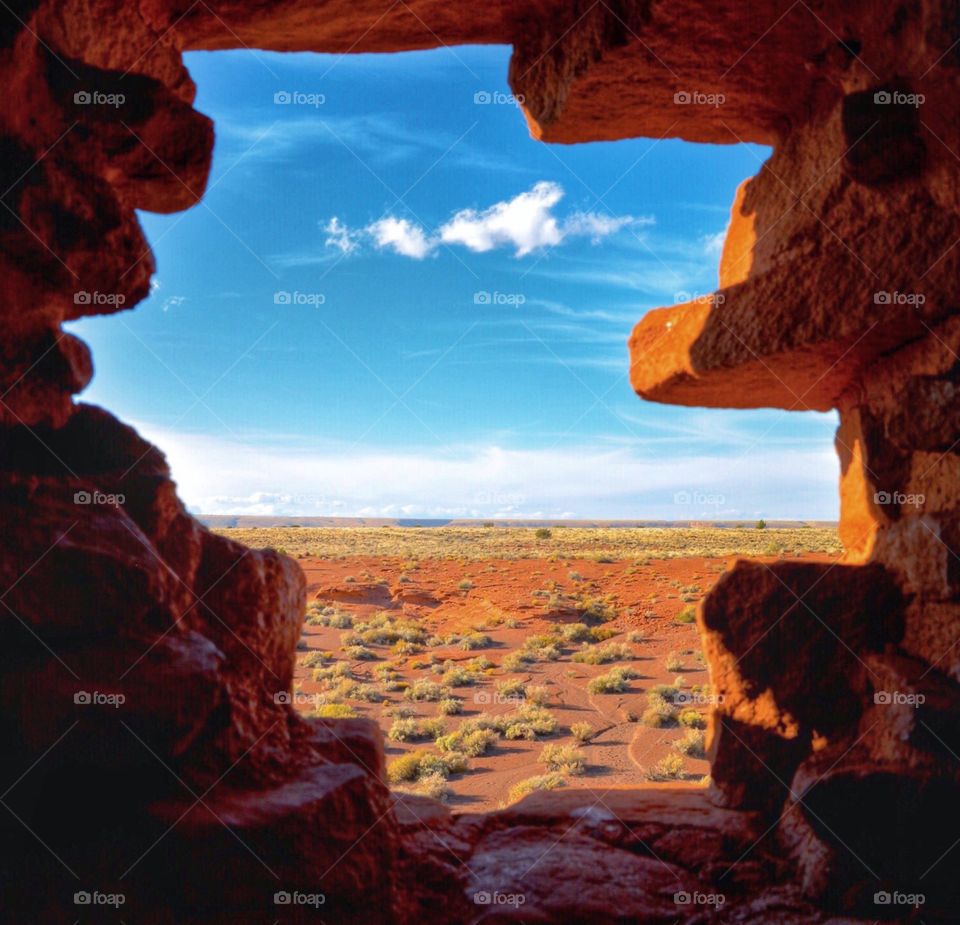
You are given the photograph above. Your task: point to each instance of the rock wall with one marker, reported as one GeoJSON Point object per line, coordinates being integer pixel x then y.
{"type": "Point", "coordinates": [150, 750]}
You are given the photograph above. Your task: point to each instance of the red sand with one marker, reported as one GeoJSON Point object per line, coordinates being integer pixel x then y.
{"type": "Point", "coordinates": [647, 598]}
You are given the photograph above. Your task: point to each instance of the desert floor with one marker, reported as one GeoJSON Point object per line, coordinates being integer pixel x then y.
{"type": "Point", "coordinates": [399, 613]}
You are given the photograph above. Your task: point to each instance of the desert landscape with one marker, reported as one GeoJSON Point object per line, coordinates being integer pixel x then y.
{"type": "Point", "coordinates": [501, 660]}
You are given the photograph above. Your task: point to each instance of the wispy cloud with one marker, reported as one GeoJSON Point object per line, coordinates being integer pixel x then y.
{"type": "Point", "coordinates": [526, 224]}
{"type": "Point", "coordinates": [376, 138]}
{"type": "Point", "coordinates": [270, 477]}
{"type": "Point", "coordinates": [713, 243]}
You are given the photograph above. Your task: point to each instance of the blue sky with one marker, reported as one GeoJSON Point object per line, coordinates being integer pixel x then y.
{"type": "Point", "coordinates": [393, 302]}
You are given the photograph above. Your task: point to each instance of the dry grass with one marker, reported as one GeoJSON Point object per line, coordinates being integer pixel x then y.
{"type": "Point", "coordinates": [478, 543]}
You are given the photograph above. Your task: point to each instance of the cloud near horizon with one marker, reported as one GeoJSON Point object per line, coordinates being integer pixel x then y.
{"type": "Point", "coordinates": [526, 223]}
{"type": "Point", "coordinates": [229, 476]}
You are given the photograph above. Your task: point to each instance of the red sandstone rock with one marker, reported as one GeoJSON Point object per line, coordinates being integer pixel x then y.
{"type": "Point", "coordinates": [786, 646]}
{"type": "Point", "coordinates": [235, 850]}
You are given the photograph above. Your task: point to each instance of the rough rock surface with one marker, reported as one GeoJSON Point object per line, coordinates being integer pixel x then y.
{"type": "Point", "coordinates": [147, 750]}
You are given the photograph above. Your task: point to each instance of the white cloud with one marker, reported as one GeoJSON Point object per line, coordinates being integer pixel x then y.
{"type": "Point", "coordinates": [525, 223]}
{"type": "Point", "coordinates": [595, 226]}
{"type": "Point", "coordinates": [401, 236]}
{"type": "Point", "coordinates": [340, 237]}
{"type": "Point", "coordinates": [713, 243]}
{"type": "Point", "coordinates": [289, 477]}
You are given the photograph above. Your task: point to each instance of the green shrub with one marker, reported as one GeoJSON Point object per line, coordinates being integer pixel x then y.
{"type": "Point", "coordinates": [475, 641]}
{"type": "Point", "coordinates": [582, 732]}
{"type": "Point", "coordinates": [602, 633]}
{"type": "Point", "coordinates": [458, 677]}
{"type": "Point", "coordinates": [512, 689]}
{"type": "Point", "coordinates": [563, 758]}
{"type": "Point", "coordinates": [408, 729]}
{"type": "Point", "coordinates": [692, 744]}
{"type": "Point", "coordinates": [422, 764]}
{"type": "Point", "coordinates": [692, 720]}
{"type": "Point", "coordinates": [538, 694]}
{"type": "Point", "coordinates": [424, 689]}
{"type": "Point", "coordinates": [541, 647]}
{"type": "Point", "coordinates": [538, 641]}
{"type": "Point", "coordinates": [576, 632]}
{"type": "Point", "coordinates": [406, 767]}
{"type": "Point", "coordinates": [543, 533]}
{"type": "Point", "coordinates": [366, 692]}
{"type": "Point", "coordinates": [659, 712]}
{"type": "Point", "coordinates": [687, 615]}
{"type": "Point", "coordinates": [601, 654]}
{"type": "Point", "coordinates": [613, 682]}
{"type": "Point", "coordinates": [465, 585]}
{"type": "Point", "coordinates": [667, 768]}
{"type": "Point", "coordinates": [527, 722]}
{"type": "Point", "coordinates": [435, 786]}
{"type": "Point", "coordinates": [517, 661]}
{"type": "Point", "coordinates": [531, 784]}
{"type": "Point", "coordinates": [595, 608]}
{"type": "Point", "coordinates": [449, 706]}
{"type": "Point", "coordinates": [400, 710]}
{"type": "Point", "coordinates": [337, 670]}
{"type": "Point", "coordinates": [468, 741]}
{"type": "Point", "coordinates": [403, 730]}
{"type": "Point", "coordinates": [313, 659]}
{"type": "Point", "coordinates": [333, 711]}
{"type": "Point", "coordinates": [480, 664]}
{"type": "Point", "coordinates": [433, 728]}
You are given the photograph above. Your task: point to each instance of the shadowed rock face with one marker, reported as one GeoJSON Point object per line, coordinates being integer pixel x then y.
{"type": "Point", "coordinates": [836, 733]}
